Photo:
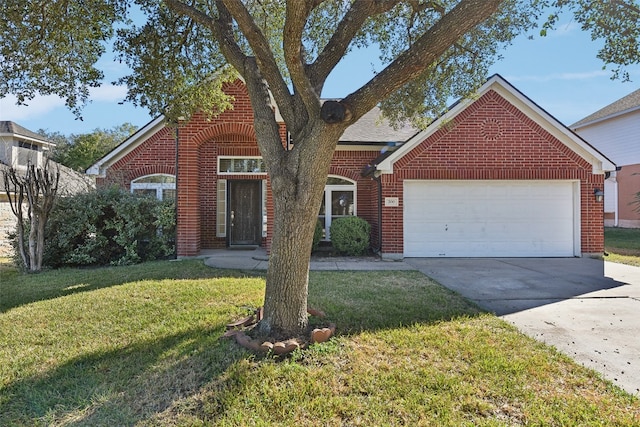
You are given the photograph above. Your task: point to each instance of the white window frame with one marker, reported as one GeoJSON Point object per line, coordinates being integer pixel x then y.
{"type": "Point", "coordinates": [328, 189]}
{"type": "Point", "coordinates": [222, 172]}
{"type": "Point", "coordinates": [31, 152]}
{"type": "Point", "coordinates": [157, 186]}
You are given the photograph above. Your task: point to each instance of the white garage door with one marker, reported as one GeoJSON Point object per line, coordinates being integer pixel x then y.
{"type": "Point", "coordinates": [491, 219]}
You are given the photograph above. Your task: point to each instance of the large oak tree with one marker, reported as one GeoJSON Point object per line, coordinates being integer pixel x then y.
{"type": "Point", "coordinates": [180, 52]}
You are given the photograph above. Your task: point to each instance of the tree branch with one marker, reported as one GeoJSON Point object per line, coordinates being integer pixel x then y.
{"type": "Point", "coordinates": [221, 28]}
{"type": "Point", "coordinates": [263, 54]}
{"type": "Point", "coordinates": [295, 18]}
{"type": "Point", "coordinates": [349, 26]}
{"type": "Point", "coordinates": [424, 52]}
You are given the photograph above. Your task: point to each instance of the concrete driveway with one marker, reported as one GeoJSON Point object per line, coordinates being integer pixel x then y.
{"type": "Point", "coordinates": [587, 308]}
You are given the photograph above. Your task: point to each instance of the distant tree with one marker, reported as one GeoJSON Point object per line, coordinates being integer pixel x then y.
{"type": "Point", "coordinates": [79, 151]}
{"type": "Point", "coordinates": [36, 191]}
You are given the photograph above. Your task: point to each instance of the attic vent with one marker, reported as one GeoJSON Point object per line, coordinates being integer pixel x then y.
{"type": "Point", "coordinates": [491, 129]}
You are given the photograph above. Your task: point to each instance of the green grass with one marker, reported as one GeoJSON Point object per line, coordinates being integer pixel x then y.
{"type": "Point", "coordinates": [622, 245]}
{"type": "Point", "coordinates": [141, 345]}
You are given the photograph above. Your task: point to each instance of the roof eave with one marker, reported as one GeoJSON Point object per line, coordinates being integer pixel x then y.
{"type": "Point", "coordinates": [599, 161]}
{"type": "Point", "coordinates": [579, 125]}
{"type": "Point", "coordinates": [43, 142]}
{"type": "Point", "coordinates": [99, 168]}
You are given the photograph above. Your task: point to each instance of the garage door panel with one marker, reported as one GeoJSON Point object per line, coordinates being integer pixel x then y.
{"type": "Point", "coordinates": [488, 218]}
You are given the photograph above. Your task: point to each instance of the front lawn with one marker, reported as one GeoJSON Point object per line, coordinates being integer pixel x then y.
{"type": "Point", "coordinates": [141, 345]}
{"type": "Point", "coordinates": [622, 245]}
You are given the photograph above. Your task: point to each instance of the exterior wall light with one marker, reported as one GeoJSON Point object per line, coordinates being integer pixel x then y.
{"type": "Point", "coordinates": [598, 194]}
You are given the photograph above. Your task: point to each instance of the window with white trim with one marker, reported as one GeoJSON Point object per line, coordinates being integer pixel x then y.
{"type": "Point", "coordinates": [160, 186]}
{"type": "Point", "coordinates": [240, 165]}
{"type": "Point", "coordinates": [221, 214]}
{"type": "Point", "coordinates": [27, 153]}
{"type": "Point", "coordinates": [339, 201]}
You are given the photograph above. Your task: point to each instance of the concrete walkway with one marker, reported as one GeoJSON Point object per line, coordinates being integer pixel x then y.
{"type": "Point", "coordinates": [257, 259]}
{"type": "Point", "coordinates": [586, 308]}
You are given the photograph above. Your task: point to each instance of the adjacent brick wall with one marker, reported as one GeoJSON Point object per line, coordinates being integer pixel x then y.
{"type": "Point", "coordinates": [156, 155]}
{"type": "Point", "coordinates": [628, 186]}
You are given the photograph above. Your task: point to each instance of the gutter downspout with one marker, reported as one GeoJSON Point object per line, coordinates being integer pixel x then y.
{"type": "Point", "coordinates": [177, 194]}
{"type": "Point", "coordinates": [378, 179]}
{"type": "Point", "coordinates": [617, 208]}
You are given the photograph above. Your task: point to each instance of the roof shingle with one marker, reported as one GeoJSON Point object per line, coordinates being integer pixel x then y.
{"type": "Point", "coordinates": [629, 102]}
{"type": "Point", "coordinates": [14, 128]}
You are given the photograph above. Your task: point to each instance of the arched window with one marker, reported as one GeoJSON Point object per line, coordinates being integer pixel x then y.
{"type": "Point", "coordinates": [160, 186]}
{"type": "Point", "coordinates": [339, 201]}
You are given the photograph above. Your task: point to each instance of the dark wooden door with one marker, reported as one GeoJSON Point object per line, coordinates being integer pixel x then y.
{"type": "Point", "coordinates": [244, 212]}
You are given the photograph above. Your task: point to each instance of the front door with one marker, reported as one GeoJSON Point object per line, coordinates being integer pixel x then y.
{"type": "Point", "coordinates": [244, 212]}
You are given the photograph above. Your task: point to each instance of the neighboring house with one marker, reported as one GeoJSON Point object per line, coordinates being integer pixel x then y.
{"type": "Point", "coordinates": [615, 130]}
{"type": "Point", "coordinates": [494, 176]}
{"type": "Point", "coordinates": [18, 148]}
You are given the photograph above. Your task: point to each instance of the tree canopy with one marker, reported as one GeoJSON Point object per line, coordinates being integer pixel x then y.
{"type": "Point", "coordinates": [177, 50]}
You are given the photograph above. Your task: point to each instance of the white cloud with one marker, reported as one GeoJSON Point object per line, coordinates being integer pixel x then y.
{"type": "Point", "coordinates": [564, 29]}
{"type": "Point", "coordinates": [560, 76]}
{"type": "Point", "coordinates": [38, 106]}
{"type": "Point", "coordinates": [107, 93]}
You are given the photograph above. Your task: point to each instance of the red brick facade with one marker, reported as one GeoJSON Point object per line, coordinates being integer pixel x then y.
{"type": "Point", "coordinates": [490, 139]}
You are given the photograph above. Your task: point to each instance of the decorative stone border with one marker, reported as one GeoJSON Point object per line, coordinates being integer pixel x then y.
{"type": "Point", "coordinates": [236, 330]}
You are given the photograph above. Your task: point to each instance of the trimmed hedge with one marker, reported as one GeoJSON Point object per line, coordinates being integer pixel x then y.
{"type": "Point", "coordinates": [350, 235]}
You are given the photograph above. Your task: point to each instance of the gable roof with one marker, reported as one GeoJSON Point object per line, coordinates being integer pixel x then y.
{"type": "Point", "coordinates": [128, 145]}
{"type": "Point", "coordinates": [498, 84]}
{"type": "Point", "coordinates": [370, 130]}
{"type": "Point", "coordinates": [623, 105]}
{"type": "Point", "coordinates": [9, 128]}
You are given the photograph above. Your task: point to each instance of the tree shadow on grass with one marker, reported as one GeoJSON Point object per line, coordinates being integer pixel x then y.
{"type": "Point", "coordinates": [17, 289]}
{"type": "Point", "coordinates": [122, 386]}
{"type": "Point", "coordinates": [196, 373]}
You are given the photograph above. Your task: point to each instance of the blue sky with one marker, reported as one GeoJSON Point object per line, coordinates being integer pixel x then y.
{"type": "Point", "coordinates": [559, 72]}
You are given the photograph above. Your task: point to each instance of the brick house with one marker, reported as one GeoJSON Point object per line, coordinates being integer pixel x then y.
{"type": "Point", "coordinates": [495, 176]}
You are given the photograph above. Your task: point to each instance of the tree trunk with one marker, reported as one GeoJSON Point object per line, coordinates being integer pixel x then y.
{"type": "Point", "coordinates": [285, 305]}
{"type": "Point", "coordinates": [42, 221]}
{"type": "Point", "coordinates": [20, 237]}
{"type": "Point", "coordinates": [297, 188]}
{"type": "Point", "coordinates": [33, 243]}
{"type": "Point", "coordinates": [37, 189]}
{"type": "Point", "coordinates": [298, 177]}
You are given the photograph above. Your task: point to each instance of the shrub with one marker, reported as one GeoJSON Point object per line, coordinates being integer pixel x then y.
{"type": "Point", "coordinates": [109, 226]}
{"type": "Point", "coordinates": [350, 235]}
